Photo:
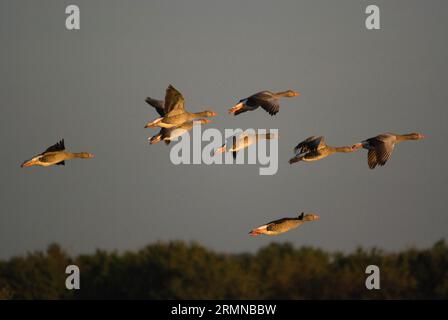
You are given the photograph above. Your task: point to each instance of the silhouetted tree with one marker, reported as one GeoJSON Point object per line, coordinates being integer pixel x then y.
{"type": "Point", "coordinates": [177, 270]}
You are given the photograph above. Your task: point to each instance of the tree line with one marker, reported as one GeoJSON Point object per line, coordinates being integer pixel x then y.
{"type": "Point", "coordinates": [179, 270]}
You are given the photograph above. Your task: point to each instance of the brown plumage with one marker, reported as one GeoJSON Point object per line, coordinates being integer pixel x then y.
{"type": "Point", "coordinates": [268, 100]}
{"type": "Point", "coordinates": [314, 148]}
{"type": "Point", "coordinates": [173, 111]}
{"type": "Point", "coordinates": [279, 226]}
{"type": "Point", "coordinates": [55, 155]}
{"type": "Point", "coordinates": [381, 146]}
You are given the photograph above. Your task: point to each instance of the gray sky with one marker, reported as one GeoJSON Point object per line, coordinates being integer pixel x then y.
{"type": "Point", "coordinates": [89, 86]}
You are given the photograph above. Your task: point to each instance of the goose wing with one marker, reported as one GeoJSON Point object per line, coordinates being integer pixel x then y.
{"type": "Point", "coordinates": [381, 150]}
{"type": "Point", "coordinates": [174, 102]}
{"type": "Point", "coordinates": [266, 100]}
{"type": "Point", "coordinates": [56, 147]}
{"type": "Point", "coordinates": [157, 104]}
{"type": "Point", "coordinates": [312, 143]}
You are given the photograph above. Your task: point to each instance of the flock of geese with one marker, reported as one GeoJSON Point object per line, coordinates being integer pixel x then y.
{"type": "Point", "coordinates": [175, 121]}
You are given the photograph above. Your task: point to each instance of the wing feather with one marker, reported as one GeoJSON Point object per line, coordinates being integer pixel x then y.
{"type": "Point", "coordinates": [381, 150]}
{"type": "Point", "coordinates": [312, 143]}
{"type": "Point", "coordinates": [174, 102]}
{"type": "Point", "coordinates": [266, 100]}
{"type": "Point", "coordinates": [157, 104]}
{"type": "Point", "coordinates": [56, 147]}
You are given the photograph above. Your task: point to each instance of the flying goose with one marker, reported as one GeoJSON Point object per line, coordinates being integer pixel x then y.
{"type": "Point", "coordinates": [277, 227]}
{"type": "Point", "coordinates": [170, 134]}
{"type": "Point", "coordinates": [243, 141]}
{"type": "Point", "coordinates": [381, 147]}
{"type": "Point", "coordinates": [268, 100]}
{"type": "Point", "coordinates": [55, 155]}
{"type": "Point", "coordinates": [173, 113]}
{"type": "Point", "coordinates": [314, 148]}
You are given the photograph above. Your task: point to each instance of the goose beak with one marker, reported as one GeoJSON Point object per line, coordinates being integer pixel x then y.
{"type": "Point", "coordinates": [254, 233]}
{"type": "Point", "coordinates": [236, 108]}
{"type": "Point", "coordinates": [28, 163]}
{"type": "Point", "coordinates": [214, 114]}
{"type": "Point", "coordinates": [296, 94]}
{"type": "Point", "coordinates": [220, 150]}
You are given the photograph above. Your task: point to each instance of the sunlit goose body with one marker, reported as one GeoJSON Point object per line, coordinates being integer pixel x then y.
{"type": "Point", "coordinates": [55, 155]}
{"type": "Point", "coordinates": [173, 112]}
{"type": "Point", "coordinates": [277, 227]}
{"type": "Point", "coordinates": [381, 147]}
{"type": "Point", "coordinates": [268, 100]}
{"type": "Point", "coordinates": [314, 148]}
{"type": "Point", "coordinates": [169, 134]}
{"type": "Point", "coordinates": [244, 140]}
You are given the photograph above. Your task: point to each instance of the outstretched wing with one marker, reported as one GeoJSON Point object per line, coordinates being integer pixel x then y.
{"type": "Point", "coordinates": [312, 143]}
{"type": "Point", "coordinates": [56, 147]}
{"type": "Point", "coordinates": [174, 102]}
{"type": "Point", "coordinates": [382, 147]}
{"type": "Point", "coordinates": [266, 100]}
{"type": "Point", "coordinates": [157, 104]}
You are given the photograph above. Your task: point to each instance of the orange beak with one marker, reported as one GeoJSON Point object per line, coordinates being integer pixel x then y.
{"type": "Point", "coordinates": [296, 94]}
{"type": "Point", "coordinates": [220, 150]}
{"type": "Point", "coordinates": [28, 163]}
{"type": "Point", "coordinates": [236, 108]}
{"type": "Point", "coordinates": [254, 233]}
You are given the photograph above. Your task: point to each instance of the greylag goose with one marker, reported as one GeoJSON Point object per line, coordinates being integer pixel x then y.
{"type": "Point", "coordinates": [268, 100]}
{"type": "Point", "coordinates": [55, 155]}
{"type": "Point", "coordinates": [170, 134]}
{"type": "Point", "coordinates": [277, 227]}
{"type": "Point", "coordinates": [381, 147]}
{"type": "Point", "coordinates": [314, 148]}
{"type": "Point", "coordinates": [243, 141]}
{"type": "Point", "coordinates": [173, 112]}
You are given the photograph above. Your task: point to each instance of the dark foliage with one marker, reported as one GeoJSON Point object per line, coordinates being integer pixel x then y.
{"type": "Point", "coordinates": [177, 270]}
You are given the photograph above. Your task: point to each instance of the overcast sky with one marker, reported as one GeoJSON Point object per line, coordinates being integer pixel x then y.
{"type": "Point", "coordinates": [89, 86]}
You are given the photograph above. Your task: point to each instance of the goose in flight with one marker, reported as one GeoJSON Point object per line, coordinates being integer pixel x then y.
{"type": "Point", "coordinates": [277, 227]}
{"type": "Point", "coordinates": [173, 111]}
{"type": "Point", "coordinates": [381, 147]}
{"type": "Point", "coordinates": [55, 155]}
{"type": "Point", "coordinates": [314, 148]}
{"type": "Point", "coordinates": [268, 100]}
{"type": "Point", "coordinates": [242, 141]}
{"type": "Point", "coordinates": [170, 134]}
